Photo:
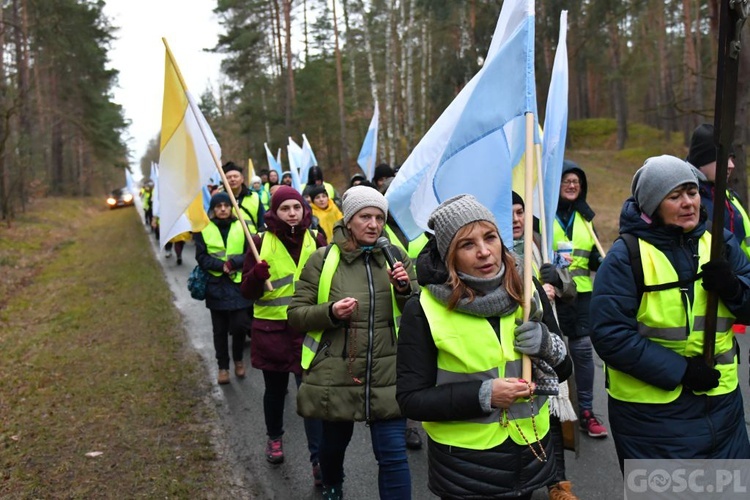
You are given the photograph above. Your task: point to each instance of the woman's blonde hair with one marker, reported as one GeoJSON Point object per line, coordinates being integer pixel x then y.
{"type": "Point", "coordinates": [512, 280]}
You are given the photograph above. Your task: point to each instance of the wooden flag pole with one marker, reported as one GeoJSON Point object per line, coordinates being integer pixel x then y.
{"type": "Point", "coordinates": [542, 214]}
{"type": "Point", "coordinates": [217, 164]}
{"type": "Point", "coordinates": [528, 231]}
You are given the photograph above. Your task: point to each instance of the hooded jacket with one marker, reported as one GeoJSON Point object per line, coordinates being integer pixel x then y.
{"type": "Point", "coordinates": [735, 217]}
{"type": "Point", "coordinates": [693, 426]}
{"type": "Point", "coordinates": [353, 374]}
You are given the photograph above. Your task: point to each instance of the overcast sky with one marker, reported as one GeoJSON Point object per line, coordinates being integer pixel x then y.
{"type": "Point", "coordinates": [138, 54]}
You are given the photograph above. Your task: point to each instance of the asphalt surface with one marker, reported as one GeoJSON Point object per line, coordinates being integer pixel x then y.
{"type": "Point", "coordinates": [594, 473]}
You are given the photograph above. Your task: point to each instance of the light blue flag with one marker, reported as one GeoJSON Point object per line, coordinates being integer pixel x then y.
{"type": "Point", "coordinates": [278, 158]}
{"type": "Point", "coordinates": [155, 202]}
{"type": "Point", "coordinates": [555, 131]}
{"type": "Point", "coordinates": [129, 183]}
{"type": "Point", "coordinates": [475, 143]}
{"type": "Point", "coordinates": [272, 162]}
{"type": "Point", "coordinates": [308, 156]}
{"type": "Point", "coordinates": [294, 153]}
{"type": "Point", "coordinates": [369, 152]}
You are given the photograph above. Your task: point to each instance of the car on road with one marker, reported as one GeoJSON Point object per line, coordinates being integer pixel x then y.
{"type": "Point", "coordinates": [120, 198]}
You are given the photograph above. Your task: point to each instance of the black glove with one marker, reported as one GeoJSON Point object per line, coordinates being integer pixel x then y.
{"type": "Point", "coordinates": [719, 277]}
{"type": "Point", "coordinates": [699, 376]}
{"type": "Point", "coordinates": [595, 259]}
{"type": "Point", "coordinates": [549, 274]}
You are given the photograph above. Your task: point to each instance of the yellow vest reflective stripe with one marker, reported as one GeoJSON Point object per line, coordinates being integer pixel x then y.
{"type": "Point", "coordinates": [745, 243]}
{"type": "Point", "coordinates": [413, 248]}
{"type": "Point", "coordinates": [668, 320]}
{"type": "Point", "coordinates": [311, 343]}
{"type": "Point", "coordinates": [284, 273]}
{"type": "Point", "coordinates": [215, 245]}
{"type": "Point", "coordinates": [265, 198]}
{"type": "Point", "coordinates": [249, 211]}
{"type": "Point", "coordinates": [582, 245]}
{"type": "Point", "coordinates": [480, 357]}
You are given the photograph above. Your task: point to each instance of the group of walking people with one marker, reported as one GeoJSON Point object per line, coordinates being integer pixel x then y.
{"type": "Point", "coordinates": [378, 329]}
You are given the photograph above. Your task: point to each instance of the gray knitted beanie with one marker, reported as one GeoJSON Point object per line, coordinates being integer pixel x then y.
{"type": "Point", "coordinates": [358, 197]}
{"type": "Point", "coordinates": [452, 215]}
{"type": "Point", "coordinates": [658, 176]}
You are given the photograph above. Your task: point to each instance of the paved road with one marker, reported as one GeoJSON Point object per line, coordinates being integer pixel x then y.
{"type": "Point", "coordinates": [594, 473]}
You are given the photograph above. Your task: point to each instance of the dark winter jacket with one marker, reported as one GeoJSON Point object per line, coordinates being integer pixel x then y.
{"type": "Point", "coordinates": [353, 374]}
{"type": "Point", "coordinates": [222, 294]}
{"type": "Point", "coordinates": [681, 428]}
{"type": "Point", "coordinates": [276, 345]}
{"type": "Point", "coordinates": [508, 470]}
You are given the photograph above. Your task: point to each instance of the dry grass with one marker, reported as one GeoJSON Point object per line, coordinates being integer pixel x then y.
{"type": "Point", "coordinates": [93, 359]}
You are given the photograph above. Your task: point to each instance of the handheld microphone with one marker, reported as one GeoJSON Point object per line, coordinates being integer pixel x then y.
{"type": "Point", "coordinates": [385, 245]}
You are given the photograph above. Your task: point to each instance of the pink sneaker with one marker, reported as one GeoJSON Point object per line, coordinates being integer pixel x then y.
{"type": "Point", "coordinates": [275, 451]}
{"type": "Point", "coordinates": [591, 425]}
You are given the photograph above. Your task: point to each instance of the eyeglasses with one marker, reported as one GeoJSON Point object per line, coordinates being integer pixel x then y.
{"type": "Point", "coordinates": [570, 182]}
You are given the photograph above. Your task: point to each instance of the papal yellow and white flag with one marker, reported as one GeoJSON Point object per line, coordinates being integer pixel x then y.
{"type": "Point", "coordinates": [185, 160]}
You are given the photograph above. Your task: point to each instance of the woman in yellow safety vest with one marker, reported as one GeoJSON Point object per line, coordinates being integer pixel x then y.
{"type": "Point", "coordinates": [650, 300]}
{"type": "Point", "coordinates": [220, 251]}
{"type": "Point", "coordinates": [348, 301]}
{"type": "Point", "coordinates": [460, 362]}
{"type": "Point", "coordinates": [277, 347]}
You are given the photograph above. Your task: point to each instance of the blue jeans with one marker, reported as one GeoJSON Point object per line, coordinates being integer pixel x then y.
{"type": "Point", "coordinates": [273, 410]}
{"type": "Point", "coordinates": [388, 445]}
{"type": "Point", "coordinates": [582, 353]}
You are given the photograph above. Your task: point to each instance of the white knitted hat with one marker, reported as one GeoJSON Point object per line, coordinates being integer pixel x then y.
{"type": "Point", "coordinates": [358, 197]}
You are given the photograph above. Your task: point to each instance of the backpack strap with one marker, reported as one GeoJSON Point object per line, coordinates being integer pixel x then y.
{"type": "Point", "coordinates": [636, 264]}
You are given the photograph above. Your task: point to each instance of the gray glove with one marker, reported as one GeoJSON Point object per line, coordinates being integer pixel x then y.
{"type": "Point", "coordinates": [530, 337]}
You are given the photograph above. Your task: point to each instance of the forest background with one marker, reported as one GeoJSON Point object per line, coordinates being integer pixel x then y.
{"type": "Point", "coordinates": [635, 66]}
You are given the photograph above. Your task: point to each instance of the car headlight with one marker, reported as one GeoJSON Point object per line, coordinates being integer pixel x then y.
{"type": "Point", "coordinates": [127, 198]}
{"type": "Point", "coordinates": [111, 201]}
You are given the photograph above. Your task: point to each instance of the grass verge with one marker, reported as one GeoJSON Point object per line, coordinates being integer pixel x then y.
{"type": "Point", "coordinates": [93, 359]}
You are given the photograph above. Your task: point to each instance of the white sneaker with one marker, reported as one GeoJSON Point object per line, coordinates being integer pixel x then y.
{"type": "Point", "coordinates": [168, 254]}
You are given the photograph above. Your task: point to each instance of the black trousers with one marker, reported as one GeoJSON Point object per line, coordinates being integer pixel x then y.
{"type": "Point", "coordinates": [235, 323]}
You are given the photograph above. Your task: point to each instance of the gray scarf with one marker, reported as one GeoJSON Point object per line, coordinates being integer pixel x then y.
{"type": "Point", "coordinates": [491, 298]}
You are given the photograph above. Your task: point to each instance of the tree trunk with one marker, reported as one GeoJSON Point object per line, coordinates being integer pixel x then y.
{"type": "Point", "coordinates": [56, 140]}
{"type": "Point", "coordinates": [351, 49]}
{"type": "Point", "coordinates": [618, 86]}
{"type": "Point", "coordinates": [371, 67]}
{"type": "Point", "coordinates": [424, 65]}
{"type": "Point", "coordinates": [389, 93]}
{"type": "Point", "coordinates": [342, 107]}
{"type": "Point", "coordinates": [25, 165]}
{"type": "Point", "coordinates": [5, 203]}
{"type": "Point", "coordinates": [409, 83]}
{"type": "Point", "coordinates": [738, 180]}
{"type": "Point", "coordinates": [277, 28]}
{"type": "Point", "coordinates": [665, 104]}
{"type": "Point", "coordinates": [290, 91]}
{"type": "Point", "coordinates": [691, 79]}
{"type": "Point", "coordinates": [305, 32]}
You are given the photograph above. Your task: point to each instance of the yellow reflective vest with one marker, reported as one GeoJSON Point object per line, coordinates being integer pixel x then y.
{"type": "Point", "coordinates": [667, 318]}
{"type": "Point", "coordinates": [284, 274]}
{"type": "Point", "coordinates": [582, 242]}
{"type": "Point", "coordinates": [745, 243]}
{"type": "Point", "coordinates": [413, 248]}
{"type": "Point", "coordinates": [215, 245]}
{"type": "Point", "coordinates": [480, 356]}
{"type": "Point", "coordinates": [249, 210]}
{"type": "Point", "coordinates": [312, 339]}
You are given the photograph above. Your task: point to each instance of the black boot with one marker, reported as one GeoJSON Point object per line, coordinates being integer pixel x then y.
{"type": "Point", "coordinates": [334, 492]}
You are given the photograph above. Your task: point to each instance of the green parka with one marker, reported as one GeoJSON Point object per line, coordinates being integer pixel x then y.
{"type": "Point", "coordinates": [335, 388]}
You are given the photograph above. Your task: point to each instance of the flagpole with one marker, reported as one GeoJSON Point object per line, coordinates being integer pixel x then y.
{"type": "Point", "coordinates": [542, 214]}
{"type": "Point", "coordinates": [528, 232]}
{"type": "Point", "coordinates": [217, 162]}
